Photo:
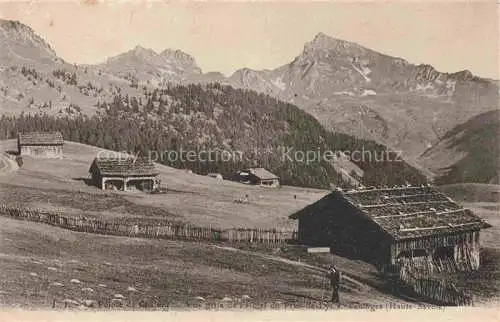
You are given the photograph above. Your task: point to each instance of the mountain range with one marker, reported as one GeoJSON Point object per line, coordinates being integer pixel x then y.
{"type": "Point", "coordinates": [348, 88]}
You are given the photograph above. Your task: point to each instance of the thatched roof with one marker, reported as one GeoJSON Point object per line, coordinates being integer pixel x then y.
{"type": "Point", "coordinates": [126, 166]}
{"type": "Point", "coordinates": [40, 138]}
{"type": "Point", "coordinates": [262, 174]}
{"type": "Point", "coordinates": [403, 212]}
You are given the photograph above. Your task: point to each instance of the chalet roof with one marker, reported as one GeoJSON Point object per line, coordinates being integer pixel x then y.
{"type": "Point", "coordinates": [405, 212]}
{"type": "Point", "coordinates": [125, 166]}
{"type": "Point", "coordinates": [262, 174]}
{"type": "Point", "coordinates": [40, 138]}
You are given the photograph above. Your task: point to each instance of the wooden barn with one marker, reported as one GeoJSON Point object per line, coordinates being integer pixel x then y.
{"type": "Point", "coordinates": [390, 227]}
{"type": "Point", "coordinates": [126, 173]}
{"type": "Point", "coordinates": [40, 144]}
{"type": "Point", "coordinates": [258, 176]}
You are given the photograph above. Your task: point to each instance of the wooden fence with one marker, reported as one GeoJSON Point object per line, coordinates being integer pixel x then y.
{"type": "Point", "coordinates": [434, 289]}
{"type": "Point", "coordinates": [162, 230]}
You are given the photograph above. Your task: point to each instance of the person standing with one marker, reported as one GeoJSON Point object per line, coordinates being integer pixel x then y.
{"type": "Point", "coordinates": [335, 277]}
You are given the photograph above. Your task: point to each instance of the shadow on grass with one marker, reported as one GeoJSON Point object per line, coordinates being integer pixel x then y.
{"type": "Point", "coordinates": [85, 180]}
{"type": "Point", "coordinates": [484, 282]}
{"type": "Point", "coordinates": [165, 190]}
{"type": "Point", "coordinates": [308, 297]}
{"type": "Point", "coordinates": [12, 152]}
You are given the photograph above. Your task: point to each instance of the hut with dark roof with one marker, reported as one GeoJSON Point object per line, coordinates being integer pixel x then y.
{"type": "Point", "coordinates": [40, 144]}
{"type": "Point", "coordinates": [390, 227]}
{"type": "Point", "coordinates": [258, 176]}
{"type": "Point", "coordinates": [125, 173]}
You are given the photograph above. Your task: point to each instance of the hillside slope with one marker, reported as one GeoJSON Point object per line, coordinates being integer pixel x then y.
{"type": "Point", "coordinates": [347, 87]}
{"type": "Point", "coordinates": [36, 257]}
{"type": "Point", "coordinates": [33, 79]}
{"type": "Point", "coordinates": [469, 152]}
{"type": "Point", "coordinates": [237, 128]}
{"type": "Point", "coordinates": [200, 200]}
{"type": "Point", "coordinates": [39, 262]}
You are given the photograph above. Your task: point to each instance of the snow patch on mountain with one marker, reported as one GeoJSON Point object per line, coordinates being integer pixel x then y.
{"type": "Point", "coordinates": [368, 92]}
{"type": "Point", "coordinates": [348, 93]}
{"type": "Point", "coordinates": [362, 72]}
{"type": "Point", "coordinates": [425, 87]}
{"type": "Point", "coordinates": [450, 87]}
{"type": "Point", "coordinates": [278, 82]}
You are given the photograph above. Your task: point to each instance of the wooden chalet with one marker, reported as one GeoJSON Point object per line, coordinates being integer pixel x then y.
{"type": "Point", "coordinates": [40, 144]}
{"type": "Point", "coordinates": [258, 176]}
{"type": "Point", "coordinates": [124, 173]}
{"type": "Point", "coordinates": [393, 226]}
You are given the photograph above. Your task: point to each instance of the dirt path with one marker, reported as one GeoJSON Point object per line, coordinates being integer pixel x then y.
{"type": "Point", "coordinates": [351, 284]}
{"type": "Point", "coordinates": [291, 262]}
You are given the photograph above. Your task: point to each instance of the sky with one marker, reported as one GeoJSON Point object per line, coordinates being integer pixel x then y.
{"type": "Point", "coordinates": [229, 35]}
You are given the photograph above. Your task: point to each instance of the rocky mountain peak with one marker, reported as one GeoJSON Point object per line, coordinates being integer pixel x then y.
{"type": "Point", "coordinates": [145, 53]}
{"type": "Point", "coordinates": [178, 55]}
{"type": "Point", "coordinates": [426, 73]}
{"type": "Point", "coordinates": [17, 32]}
{"type": "Point", "coordinates": [325, 48]}
{"type": "Point", "coordinates": [140, 49]}
{"type": "Point", "coordinates": [323, 42]}
{"type": "Point", "coordinates": [13, 25]}
{"type": "Point", "coordinates": [464, 75]}
{"type": "Point", "coordinates": [181, 59]}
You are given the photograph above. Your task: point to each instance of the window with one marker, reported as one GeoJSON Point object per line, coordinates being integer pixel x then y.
{"type": "Point", "coordinates": [443, 252]}
{"type": "Point", "coordinates": [412, 253]}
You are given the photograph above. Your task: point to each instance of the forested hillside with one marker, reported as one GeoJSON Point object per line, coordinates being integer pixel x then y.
{"type": "Point", "coordinates": [214, 118]}
{"type": "Point", "coordinates": [472, 149]}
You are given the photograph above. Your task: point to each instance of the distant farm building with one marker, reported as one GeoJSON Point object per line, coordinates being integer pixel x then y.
{"type": "Point", "coordinates": [257, 176]}
{"type": "Point", "coordinates": [40, 144]}
{"type": "Point", "coordinates": [126, 173]}
{"type": "Point", "coordinates": [390, 227]}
